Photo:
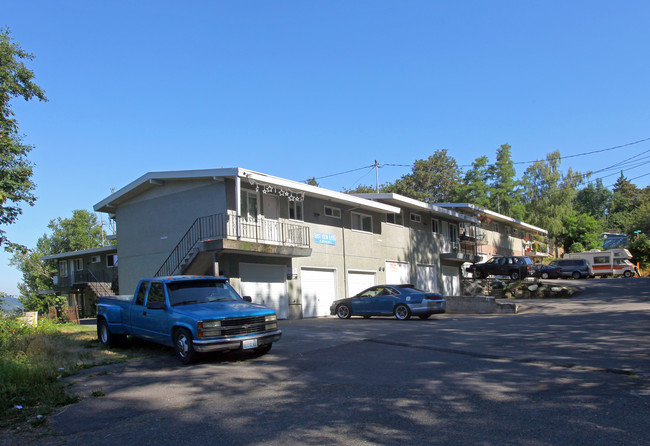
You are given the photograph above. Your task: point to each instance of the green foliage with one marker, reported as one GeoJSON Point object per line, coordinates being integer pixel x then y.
{"type": "Point", "coordinates": [640, 249]}
{"type": "Point", "coordinates": [312, 181]}
{"type": "Point", "coordinates": [504, 197]}
{"type": "Point", "coordinates": [581, 230]}
{"type": "Point", "coordinates": [474, 188]}
{"type": "Point", "coordinates": [16, 186]}
{"type": "Point", "coordinates": [433, 180]}
{"type": "Point", "coordinates": [593, 199]}
{"type": "Point", "coordinates": [81, 231]}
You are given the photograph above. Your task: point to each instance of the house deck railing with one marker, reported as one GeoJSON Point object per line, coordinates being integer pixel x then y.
{"type": "Point", "coordinates": [231, 227]}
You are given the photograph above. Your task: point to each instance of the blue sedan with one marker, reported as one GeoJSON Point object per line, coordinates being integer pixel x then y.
{"type": "Point", "coordinates": [400, 301]}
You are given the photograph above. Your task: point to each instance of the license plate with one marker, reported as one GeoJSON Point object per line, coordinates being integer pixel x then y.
{"type": "Point", "coordinates": [252, 343]}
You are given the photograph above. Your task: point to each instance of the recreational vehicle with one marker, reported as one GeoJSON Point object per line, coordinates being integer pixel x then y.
{"type": "Point", "coordinates": [614, 262]}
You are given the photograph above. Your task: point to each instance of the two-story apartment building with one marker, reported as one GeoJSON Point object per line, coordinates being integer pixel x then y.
{"type": "Point", "coordinates": [502, 235]}
{"type": "Point", "coordinates": [82, 276]}
{"type": "Point", "coordinates": [288, 245]}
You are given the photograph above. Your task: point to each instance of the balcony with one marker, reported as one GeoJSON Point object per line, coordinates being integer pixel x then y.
{"type": "Point", "coordinates": [225, 232]}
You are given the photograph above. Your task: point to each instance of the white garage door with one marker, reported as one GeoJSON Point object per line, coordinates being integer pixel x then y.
{"type": "Point", "coordinates": [450, 281]}
{"type": "Point", "coordinates": [397, 272]}
{"type": "Point", "coordinates": [427, 278]}
{"type": "Point", "coordinates": [360, 280]}
{"type": "Point", "coordinates": [266, 285]}
{"type": "Point", "coordinates": [318, 291]}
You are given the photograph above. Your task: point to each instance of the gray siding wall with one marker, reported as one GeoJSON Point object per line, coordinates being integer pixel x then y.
{"type": "Point", "coordinates": [150, 226]}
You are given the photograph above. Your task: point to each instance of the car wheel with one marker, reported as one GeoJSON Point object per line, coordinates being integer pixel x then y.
{"type": "Point", "coordinates": [514, 275]}
{"type": "Point", "coordinates": [343, 312]}
{"type": "Point", "coordinates": [478, 274]}
{"type": "Point", "coordinates": [544, 275]}
{"type": "Point", "coordinates": [107, 338]}
{"type": "Point", "coordinates": [628, 274]}
{"type": "Point", "coordinates": [424, 316]}
{"type": "Point", "coordinates": [263, 349]}
{"type": "Point", "coordinates": [576, 274]}
{"type": "Point", "coordinates": [183, 343]}
{"type": "Point", "coordinates": [402, 312]}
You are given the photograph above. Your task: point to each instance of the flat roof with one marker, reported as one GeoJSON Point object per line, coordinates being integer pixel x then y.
{"type": "Point", "coordinates": [64, 255]}
{"type": "Point", "coordinates": [469, 207]}
{"type": "Point", "coordinates": [156, 179]}
{"type": "Point", "coordinates": [401, 200]}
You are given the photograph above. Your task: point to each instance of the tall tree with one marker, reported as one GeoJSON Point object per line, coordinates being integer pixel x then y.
{"type": "Point", "coordinates": [547, 194]}
{"type": "Point", "coordinates": [474, 188]}
{"type": "Point", "coordinates": [81, 231]}
{"type": "Point", "coordinates": [593, 199]}
{"type": "Point", "coordinates": [433, 180]}
{"type": "Point", "coordinates": [16, 186]}
{"type": "Point", "coordinates": [626, 198]}
{"type": "Point", "coordinates": [503, 183]}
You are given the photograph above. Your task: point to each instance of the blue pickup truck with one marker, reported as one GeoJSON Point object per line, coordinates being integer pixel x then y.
{"type": "Point", "coordinates": [194, 314]}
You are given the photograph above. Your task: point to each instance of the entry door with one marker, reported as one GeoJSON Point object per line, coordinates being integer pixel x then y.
{"type": "Point", "coordinates": [271, 225]}
{"type": "Point", "coordinates": [318, 291]}
{"type": "Point", "coordinates": [267, 285]}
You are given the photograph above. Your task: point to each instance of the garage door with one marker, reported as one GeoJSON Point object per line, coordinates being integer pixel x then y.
{"type": "Point", "coordinates": [397, 272]}
{"type": "Point", "coordinates": [450, 281]}
{"type": "Point", "coordinates": [427, 278]}
{"type": "Point", "coordinates": [318, 291]}
{"type": "Point", "coordinates": [266, 285]}
{"type": "Point", "coordinates": [360, 280]}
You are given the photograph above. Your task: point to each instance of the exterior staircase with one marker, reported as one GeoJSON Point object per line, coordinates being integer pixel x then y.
{"type": "Point", "coordinates": [101, 288]}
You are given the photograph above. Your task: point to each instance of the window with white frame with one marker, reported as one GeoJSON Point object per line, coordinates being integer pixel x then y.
{"type": "Point", "coordinates": [361, 222]}
{"type": "Point", "coordinates": [78, 264]}
{"type": "Point", "coordinates": [249, 207]}
{"type": "Point", "coordinates": [295, 210]}
{"type": "Point", "coordinates": [332, 212]}
{"type": "Point", "coordinates": [435, 226]}
{"type": "Point", "coordinates": [394, 219]}
{"type": "Point", "coordinates": [416, 218]}
{"type": "Point", "coordinates": [63, 268]}
{"type": "Point", "coordinates": [111, 260]}
{"type": "Point", "coordinates": [96, 259]}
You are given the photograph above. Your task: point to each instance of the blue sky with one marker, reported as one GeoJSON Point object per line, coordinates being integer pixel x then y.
{"type": "Point", "coordinates": [313, 88]}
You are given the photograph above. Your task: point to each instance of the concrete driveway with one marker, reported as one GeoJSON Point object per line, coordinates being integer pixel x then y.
{"type": "Point", "coordinates": [565, 371]}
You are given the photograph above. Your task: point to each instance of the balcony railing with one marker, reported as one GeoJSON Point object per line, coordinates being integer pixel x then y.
{"type": "Point", "coordinates": [85, 276]}
{"type": "Point", "coordinates": [226, 226]}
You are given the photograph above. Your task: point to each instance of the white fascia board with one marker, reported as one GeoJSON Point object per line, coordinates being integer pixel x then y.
{"type": "Point", "coordinates": [315, 191]}
{"type": "Point", "coordinates": [71, 254]}
{"type": "Point", "coordinates": [416, 204]}
{"type": "Point", "coordinates": [153, 179]}
{"type": "Point", "coordinates": [493, 215]}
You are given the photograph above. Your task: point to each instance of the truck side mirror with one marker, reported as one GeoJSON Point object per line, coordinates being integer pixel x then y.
{"type": "Point", "coordinates": [247, 299]}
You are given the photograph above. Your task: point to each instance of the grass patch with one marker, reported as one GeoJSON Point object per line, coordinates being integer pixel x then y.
{"type": "Point", "coordinates": [33, 361]}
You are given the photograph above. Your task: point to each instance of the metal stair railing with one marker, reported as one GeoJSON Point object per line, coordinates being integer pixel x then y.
{"type": "Point", "coordinates": [201, 229]}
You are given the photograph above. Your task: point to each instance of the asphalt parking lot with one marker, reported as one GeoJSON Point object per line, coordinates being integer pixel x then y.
{"type": "Point", "coordinates": [563, 371]}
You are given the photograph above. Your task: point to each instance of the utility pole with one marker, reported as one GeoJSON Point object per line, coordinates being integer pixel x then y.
{"type": "Point", "coordinates": [377, 175]}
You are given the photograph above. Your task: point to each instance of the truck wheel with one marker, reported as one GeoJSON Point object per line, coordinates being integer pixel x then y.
{"type": "Point", "coordinates": [107, 338]}
{"type": "Point", "coordinates": [576, 274]}
{"type": "Point", "coordinates": [628, 274]}
{"type": "Point", "coordinates": [478, 275]}
{"type": "Point", "coordinates": [514, 275]}
{"type": "Point", "coordinates": [183, 343]}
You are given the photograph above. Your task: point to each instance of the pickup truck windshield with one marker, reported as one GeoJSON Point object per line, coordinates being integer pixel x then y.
{"type": "Point", "coordinates": [200, 291]}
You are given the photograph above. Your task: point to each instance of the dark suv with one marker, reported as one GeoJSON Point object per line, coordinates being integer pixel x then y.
{"type": "Point", "coordinates": [516, 267]}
